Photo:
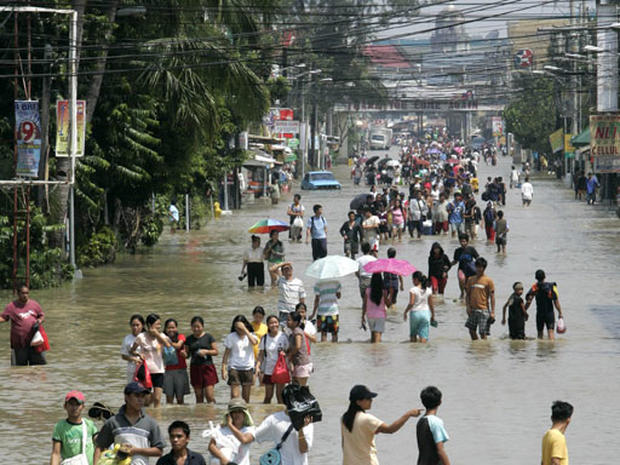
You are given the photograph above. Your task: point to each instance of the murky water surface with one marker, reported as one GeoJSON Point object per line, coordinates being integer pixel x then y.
{"type": "Point", "coordinates": [497, 393]}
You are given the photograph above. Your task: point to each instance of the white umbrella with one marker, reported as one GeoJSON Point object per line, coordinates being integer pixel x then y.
{"type": "Point", "coordinates": [331, 267]}
{"type": "Point", "coordinates": [393, 163]}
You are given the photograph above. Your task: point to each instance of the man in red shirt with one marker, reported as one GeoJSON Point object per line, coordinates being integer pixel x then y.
{"type": "Point", "coordinates": [24, 314]}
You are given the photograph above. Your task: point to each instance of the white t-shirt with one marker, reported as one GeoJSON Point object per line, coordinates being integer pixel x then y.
{"type": "Point", "coordinates": [290, 294]}
{"type": "Point", "coordinates": [241, 452]}
{"type": "Point", "coordinates": [273, 428]}
{"type": "Point", "coordinates": [309, 328]}
{"type": "Point", "coordinates": [527, 190]}
{"type": "Point", "coordinates": [253, 255]}
{"type": "Point", "coordinates": [421, 298]}
{"type": "Point", "coordinates": [272, 347]}
{"type": "Point", "coordinates": [362, 261]}
{"type": "Point", "coordinates": [241, 355]}
{"type": "Point", "coordinates": [125, 348]}
{"type": "Point", "coordinates": [372, 223]}
{"type": "Point", "coordinates": [152, 351]}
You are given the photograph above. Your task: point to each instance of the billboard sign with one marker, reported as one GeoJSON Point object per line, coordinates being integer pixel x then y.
{"type": "Point", "coordinates": [63, 128]}
{"type": "Point", "coordinates": [28, 132]}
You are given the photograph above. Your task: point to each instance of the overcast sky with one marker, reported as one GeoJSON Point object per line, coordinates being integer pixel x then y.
{"type": "Point", "coordinates": [512, 10]}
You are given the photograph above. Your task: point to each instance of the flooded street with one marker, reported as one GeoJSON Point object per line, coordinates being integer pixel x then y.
{"type": "Point", "coordinates": [497, 393]}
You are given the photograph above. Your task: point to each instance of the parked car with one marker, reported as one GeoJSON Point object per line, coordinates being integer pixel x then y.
{"type": "Point", "coordinates": [320, 180]}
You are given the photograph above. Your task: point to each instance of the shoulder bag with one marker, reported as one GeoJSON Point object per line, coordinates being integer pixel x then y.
{"type": "Point", "coordinates": [81, 458]}
{"type": "Point", "coordinates": [272, 456]}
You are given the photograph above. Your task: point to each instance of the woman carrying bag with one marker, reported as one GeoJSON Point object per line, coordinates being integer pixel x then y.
{"type": "Point", "coordinates": [272, 345]}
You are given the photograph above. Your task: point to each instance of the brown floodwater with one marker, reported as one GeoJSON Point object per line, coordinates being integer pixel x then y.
{"type": "Point", "coordinates": [497, 393]}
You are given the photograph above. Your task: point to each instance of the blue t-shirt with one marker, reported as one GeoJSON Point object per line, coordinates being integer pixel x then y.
{"type": "Point", "coordinates": [437, 428]}
{"type": "Point", "coordinates": [591, 184]}
{"type": "Point", "coordinates": [317, 227]}
{"type": "Point", "coordinates": [456, 213]}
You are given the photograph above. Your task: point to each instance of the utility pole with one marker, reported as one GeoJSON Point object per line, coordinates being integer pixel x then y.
{"type": "Point", "coordinates": [303, 136]}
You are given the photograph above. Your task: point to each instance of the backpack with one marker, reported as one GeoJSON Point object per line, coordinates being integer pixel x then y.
{"type": "Point", "coordinates": [467, 264]}
{"type": "Point", "coordinates": [489, 215]}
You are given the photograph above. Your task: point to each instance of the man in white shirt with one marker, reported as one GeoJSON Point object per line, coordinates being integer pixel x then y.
{"type": "Point", "coordinates": [291, 291]}
{"type": "Point", "coordinates": [253, 262]}
{"type": "Point", "coordinates": [370, 255]}
{"type": "Point", "coordinates": [527, 192]}
{"type": "Point", "coordinates": [370, 228]}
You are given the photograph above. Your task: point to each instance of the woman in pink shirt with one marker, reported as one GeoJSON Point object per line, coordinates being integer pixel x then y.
{"type": "Point", "coordinates": [398, 220]}
{"type": "Point", "coordinates": [373, 309]}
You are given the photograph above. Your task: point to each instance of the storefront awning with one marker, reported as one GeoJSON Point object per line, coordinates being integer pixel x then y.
{"type": "Point", "coordinates": [582, 139]}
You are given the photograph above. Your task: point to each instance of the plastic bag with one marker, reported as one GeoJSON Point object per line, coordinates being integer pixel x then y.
{"type": "Point", "coordinates": [298, 222]}
{"type": "Point", "coordinates": [223, 443]}
{"type": "Point", "coordinates": [561, 327]}
{"type": "Point", "coordinates": [114, 456]}
{"type": "Point", "coordinates": [280, 374]}
{"type": "Point", "coordinates": [300, 403]}
{"type": "Point", "coordinates": [143, 375]}
{"type": "Point", "coordinates": [170, 356]}
{"type": "Point", "coordinates": [45, 344]}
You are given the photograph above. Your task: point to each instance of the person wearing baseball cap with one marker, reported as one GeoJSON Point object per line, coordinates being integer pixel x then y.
{"type": "Point", "coordinates": [68, 436]}
{"type": "Point", "coordinates": [359, 428]}
{"type": "Point", "coordinates": [122, 427]}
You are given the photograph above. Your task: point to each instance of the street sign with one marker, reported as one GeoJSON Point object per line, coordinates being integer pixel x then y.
{"type": "Point", "coordinates": [63, 132]}
{"type": "Point", "coordinates": [286, 126]}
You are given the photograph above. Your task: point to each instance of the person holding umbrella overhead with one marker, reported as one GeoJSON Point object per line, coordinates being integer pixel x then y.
{"type": "Point", "coordinates": [274, 249]}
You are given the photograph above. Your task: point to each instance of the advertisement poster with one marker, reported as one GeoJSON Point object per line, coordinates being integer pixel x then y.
{"type": "Point", "coordinates": [605, 136]}
{"type": "Point", "coordinates": [63, 125]}
{"type": "Point", "coordinates": [28, 131]}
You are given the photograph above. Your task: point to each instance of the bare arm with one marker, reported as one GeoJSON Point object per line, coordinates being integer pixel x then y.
{"type": "Point", "coordinates": [492, 296]}
{"type": "Point", "coordinates": [398, 424]}
{"type": "Point", "coordinates": [2, 319]}
{"type": "Point", "coordinates": [410, 305]}
{"type": "Point", "coordinates": [215, 452]}
{"type": "Point", "coordinates": [431, 306]}
{"type": "Point", "coordinates": [315, 308]}
{"type": "Point", "coordinates": [556, 302]}
{"type": "Point", "coordinates": [225, 363]}
{"type": "Point", "coordinates": [504, 312]}
{"type": "Point", "coordinates": [146, 451]}
{"type": "Point", "coordinates": [55, 458]}
{"type": "Point", "coordinates": [443, 456]}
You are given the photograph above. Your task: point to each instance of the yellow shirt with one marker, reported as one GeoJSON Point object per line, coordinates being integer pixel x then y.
{"type": "Point", "coordinates": [259, 331]}
{"type": "Point", "coordinates": [358, 446]}
{"type": "Point", "coordinates": [554, 446]}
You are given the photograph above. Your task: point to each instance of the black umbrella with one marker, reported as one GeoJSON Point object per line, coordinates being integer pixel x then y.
{"type": "Point", "coordinates": [358, 201]}
{"type": "Point", "coordinates": [371, 160]}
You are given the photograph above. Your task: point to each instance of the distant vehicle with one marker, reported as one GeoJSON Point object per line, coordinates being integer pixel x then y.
{"type": "Point", "coordinates": [320, 180]}
{"type": "Point", "coordinates": [380, 138]}
{"type": "Point", "coordinates": [477, 142]}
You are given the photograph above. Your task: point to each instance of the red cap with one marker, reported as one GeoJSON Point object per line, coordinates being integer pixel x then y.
{"type": "Point", "coordinates": [77, 395]}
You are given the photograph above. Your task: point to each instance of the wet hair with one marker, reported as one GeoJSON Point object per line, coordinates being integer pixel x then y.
{"type": "Point", "coordinates": [365, 247]}
{"type": "Point", "coordinates": [500, 214]}
{"type": "Point", "coordinates": [391, 252]}
{"type": "Point", "coordinates": [481, 262]}
{"type": "Point", "coordinates": [151, 319]}
{"type": "Point", "coordinates": [540, 275]}
{"type": "Point", "coordinates": [178, 424]}
{"type": "Point", "coordinates": [297, 196]}
{"type": "Point", "coordinates": [436, 245]}
{"type": "Point", "coordinates": [272, 316]}
{"type": "Point", "coordinates": [376, 288]}
{"type": "Point", "coordinates": [197, 319]}
{"type": "Point", "coordinates": [561, 411]}
{"type": "Point", "coordinates": [258, 309]}
{"type": "Point", "coordinates": [463, 237]}
{"type": "Point", "coordinates": [299, 305]}
{"type": "Point", "coordinates": [243, 320]}
{"type": "Point", "coordinates": [430, 397]}
{"type": "Point", "coordinates": [140, 318]}
{"type": "Point", "coordinates": [349, 416]}
{"type": "Point", "coordinates": [296, 317]}
{"type": "Point", "coordinates": [422, 278]}
{"type": "Point", "coordinates": [316, 207]}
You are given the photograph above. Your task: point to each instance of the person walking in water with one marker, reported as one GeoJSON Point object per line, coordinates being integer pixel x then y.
{"type": "Point", "coordinates": [546, 295]}
{"type": "Point", "coordinates": [296, 214]}
{"type": "Point", "coordinates": [359, 428]}
{"type": "Point", "coordinates": [25, 315]}
{"type": "Point", "coordinates": [554, 450]}
{"type": "Point", "coordinates": [430, 431]}
{"type": "Point", "coordinates": [480, 293]}
{"type": "Point", "coordinates": [501, 232]}
{"type": "Point", "coordinates": [420, 309]}
{"type": "Point", "coordinates": [317, 229]}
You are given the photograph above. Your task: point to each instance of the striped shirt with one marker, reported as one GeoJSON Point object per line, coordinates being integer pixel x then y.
{"type": "Point", "coordinates": [290, 293]}
{"type": "Point", "coordinates": [328, 300]}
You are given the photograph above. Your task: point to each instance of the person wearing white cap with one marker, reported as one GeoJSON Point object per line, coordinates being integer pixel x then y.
{"type": "Point", "coordinates": [359, 428]}
{"type": "Point", "coordinates": [72, 438]}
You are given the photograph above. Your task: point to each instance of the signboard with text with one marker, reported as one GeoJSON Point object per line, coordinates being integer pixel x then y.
{"type": "Point", "coordinates": [605, 136]}
{"type": "Point", "coordinates": [28, 130]}
{"type": "Point", "coordinates": [286, 127]}
{"type": "Point", "coordinates": [63, 128]}
{"type": "Point", "coordinates": [556, 140]}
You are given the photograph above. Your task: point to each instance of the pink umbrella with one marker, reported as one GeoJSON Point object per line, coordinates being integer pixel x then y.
{"type": "Point", "coordinates": [390, 265]}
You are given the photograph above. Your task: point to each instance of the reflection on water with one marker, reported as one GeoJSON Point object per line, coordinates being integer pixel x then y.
{"type": "Point", "coordinates": [497, 393]}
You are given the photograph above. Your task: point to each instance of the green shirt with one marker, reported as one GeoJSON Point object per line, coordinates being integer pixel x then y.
{"type": "Point", "coordinates": [70, 436]}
